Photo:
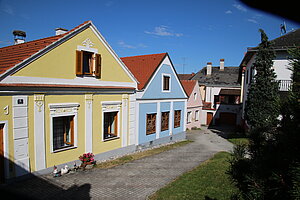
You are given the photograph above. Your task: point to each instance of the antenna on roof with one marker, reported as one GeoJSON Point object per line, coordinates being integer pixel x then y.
{"type": "Point", "coordinates": [183, 65]}
{"type": "Point", "coordinates": [282, 28]}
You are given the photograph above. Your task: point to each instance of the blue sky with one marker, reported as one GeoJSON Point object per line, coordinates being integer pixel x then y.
{"type": "Point", "coordinates": [193, 32]}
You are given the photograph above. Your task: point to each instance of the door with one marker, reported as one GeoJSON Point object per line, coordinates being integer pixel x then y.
{"type": "Point", "coordinates": [209, 118]}
{"type": "Point", "coordinates": [228, 118]}
{"type": "Point", "coordinates": [1, 153]}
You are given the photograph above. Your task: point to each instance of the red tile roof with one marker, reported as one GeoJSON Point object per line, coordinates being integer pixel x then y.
{"type": "Point", "coordinates": [15, 54]}
{"type": "Point", "coordinates": [188, 85]}
{"type": "Point", "coordinates": [144, 66]}
{"type": "Point", "coordinates": [186, 76]}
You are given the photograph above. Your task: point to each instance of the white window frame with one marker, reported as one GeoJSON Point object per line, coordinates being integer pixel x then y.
{"type": "Point", "coordinates": [189, 117]}
{"type": "Point", "coordinates": [197, 112]}
{"type": "Point", "coordinates": [63, 110]}
{"type": "Point", "coordinates": [162, 82]}
{"type": "Point", "coordinates": [111, 106]}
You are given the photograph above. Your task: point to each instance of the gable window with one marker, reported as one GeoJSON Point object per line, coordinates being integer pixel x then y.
{"type": "Point", "coordinates": [88, 63]}
{"type": "Point", "coordinates": [166, 79]}
{"type": "Point", "coordinates": [110, 125]}
{"type": "Point", "coordinates": [151, 124]}
{"type": "Point", "coordinates": [165, 121]}
{"type": "Point", "coordinates": [177, 117]}
{"type": "Point", "coordinates": [63, 132]}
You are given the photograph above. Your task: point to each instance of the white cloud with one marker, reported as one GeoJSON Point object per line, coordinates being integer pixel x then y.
{"type": "Point", "coordinates": [228, 12]}
{"type": "Point", "coordinates": [8, 9]}
{"type": "Point", "coordinates": [128, 46]}
{"type": "Point", "coordinates": [239, 7]}
{"type": "Point", "coordinates": [252, 21]}
{"type": "Point", "coordinates": [163, 31]}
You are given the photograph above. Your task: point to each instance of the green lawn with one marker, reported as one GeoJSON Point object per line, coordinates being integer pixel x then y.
{"type": "Point", "coordinates": [208, 181]}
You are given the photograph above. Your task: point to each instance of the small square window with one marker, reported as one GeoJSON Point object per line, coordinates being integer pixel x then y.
{"type": "Point", "coordinates": [63, 132]}
{"type": "Point", "coordinates": [177, 117]}
{"type": "Point", "coordinates": [151, 124]}
{"type": "Point", "coordinates": [110, 125]}
{"type": "Point", "coordinates": [88, 63]}
{"type": "Point", "coordinates": [166, 83]}
{"type": "Point", "coordinates": [165, 121]}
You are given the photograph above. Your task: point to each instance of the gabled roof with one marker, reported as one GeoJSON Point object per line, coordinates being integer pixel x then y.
{"type": "Point", "coordinates": [13, 58]}
{"type": "Point", "coordinates": [227, 77]}
{"type": "Point", "coordinates": [186, 76]}
{"type": "Point", "coordinates": [188, 86]}
{"type": "Point", "coordinates": [10, 56]}
{"type": "Point", "coordinates": [144, 66]}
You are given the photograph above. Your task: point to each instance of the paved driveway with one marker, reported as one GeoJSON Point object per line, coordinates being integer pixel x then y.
{"type": "Point", "coordinates": [134, 180]}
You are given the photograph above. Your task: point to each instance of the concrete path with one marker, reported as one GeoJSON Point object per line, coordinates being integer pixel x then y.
{"type": "Point", "coordinates": [134, 180]}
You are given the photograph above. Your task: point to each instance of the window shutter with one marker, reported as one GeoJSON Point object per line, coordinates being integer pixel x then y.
{"type": "Point", "coordinates": [98, 66]}
{"type": "Point", "coordinates": [79, 67]}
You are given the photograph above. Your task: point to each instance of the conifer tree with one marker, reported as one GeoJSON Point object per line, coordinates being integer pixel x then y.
{"type": "Point", "coordinates": [262, 105]}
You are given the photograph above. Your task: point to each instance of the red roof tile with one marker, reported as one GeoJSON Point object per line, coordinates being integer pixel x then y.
{"type": "Point", "coordinates": [15, 54]}
{"type": "Point", "coordinates": [143, 67]}
{"type": "Point", "coordinates": [188, 86]}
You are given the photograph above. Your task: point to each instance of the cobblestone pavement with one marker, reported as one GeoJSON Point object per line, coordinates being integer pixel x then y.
{"type": "Point", "coordinates": [134, 180]}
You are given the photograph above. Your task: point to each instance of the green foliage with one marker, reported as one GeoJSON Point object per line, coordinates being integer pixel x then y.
{"type": "Point", "coordinates": [269, 167]}
{"type": "Point", "coordinates": [207, 181]}
{"type": "Point", "coordinates": [262, 105]}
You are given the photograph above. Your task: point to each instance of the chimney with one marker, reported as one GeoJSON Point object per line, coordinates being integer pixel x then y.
{"type": "Point", "coordinates": [59, 31]}
{"type": "Point", "coordinates": [208, 68]}
{"type": "Point", "coordinates": [222, 64]}
{"type": "Point", "coordinates": [19, 36]}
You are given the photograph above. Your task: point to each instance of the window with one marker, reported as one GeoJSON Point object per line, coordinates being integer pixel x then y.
{"type": "Point", "coordinates": [151, 124]}
{"type": "Point", "coordinates": [88, 63]}
{"type": "Point", "coordinates": [195, 96]}
{"type": "Point", "coordinates": [177, 117]}
{"type": "Point", "coordinates": [63, 132]}
{"type": "Point", "coordinates": [166, 83]}
{"type": "Point", "coordinates": [189, 117]}
{"type": "Point", "coordinates": [165, 121]}
{"type": "Point", "coordinates": [197, 115]}
{"type": "Point", "coordinates": [110, 125]}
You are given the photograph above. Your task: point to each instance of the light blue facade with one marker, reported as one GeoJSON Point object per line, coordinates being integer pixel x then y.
{"type": "Point", "coordinates": [155, 100]}
{"type": "Point", "coordinates": [154, 90]}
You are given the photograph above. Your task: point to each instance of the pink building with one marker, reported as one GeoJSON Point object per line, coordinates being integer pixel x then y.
{"type": "Point", "coordinates": [194, 103]}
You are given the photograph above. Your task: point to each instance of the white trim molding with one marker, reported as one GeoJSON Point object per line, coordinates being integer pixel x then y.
{"type": "Point", "coordinates": [111, 106]}
{"type": "Point", "coordinates": [39, 132]}
{"type": "Point", "coordinates": [89, 123]}
{"type": "Point", "coordinates": [6, 149]}
{"type": "Point", "coordinates": [162, 82]}
{"type": "Point", "coordinates": [62, 110]}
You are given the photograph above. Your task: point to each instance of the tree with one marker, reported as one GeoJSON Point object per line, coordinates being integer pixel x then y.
{"type": "Point", "coordinates": [262, 105]}
{"type": "Point", "coordinates": [252, 166]}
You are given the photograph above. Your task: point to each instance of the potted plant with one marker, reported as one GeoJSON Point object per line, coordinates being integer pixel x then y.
{"type": "Point", "coordinates": [87, 159]}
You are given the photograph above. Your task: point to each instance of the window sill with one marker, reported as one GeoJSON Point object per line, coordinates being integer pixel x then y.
{"type": "Point", "coordinates": [109, 139]}
{"type": "Point", "coordinates": [64, 149]}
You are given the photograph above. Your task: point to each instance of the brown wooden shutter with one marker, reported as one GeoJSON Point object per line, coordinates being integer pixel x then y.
{"type": "Point", "coordinates": [98, 66]}
{"type": "Point", "coordinates": [79, 67]}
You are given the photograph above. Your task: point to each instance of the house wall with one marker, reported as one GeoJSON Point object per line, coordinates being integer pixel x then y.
{"type": "Point", "coordinates": [28, 127]}
{"type": "Point", "coordinates": [193, 105]}
{"type": "Point", "coordinates": [154, 100]}
{"type": "Point", "coordinates": [55, 65]}
{"type": "Point", "coordinates": [157, 107]}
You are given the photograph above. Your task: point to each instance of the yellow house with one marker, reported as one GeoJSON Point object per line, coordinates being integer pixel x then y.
{"type": "Point", "coordinates": [60, 97]}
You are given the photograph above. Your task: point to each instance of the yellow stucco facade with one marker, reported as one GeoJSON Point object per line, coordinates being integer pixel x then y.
{"type": "Point", "coordinates": [44, 104]}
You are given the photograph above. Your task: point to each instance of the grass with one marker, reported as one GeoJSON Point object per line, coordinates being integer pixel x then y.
{"type": "Point", "coordinates": [128, 158]}
{"type": "Point", "coordinates": [208, 181]}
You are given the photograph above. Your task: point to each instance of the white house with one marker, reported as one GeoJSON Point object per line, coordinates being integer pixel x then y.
{"type": "Point", "coordinates": [280, 64]}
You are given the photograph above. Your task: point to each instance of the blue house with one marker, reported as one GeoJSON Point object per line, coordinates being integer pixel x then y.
{"type": "Point", "coordinates": [160, 99]}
